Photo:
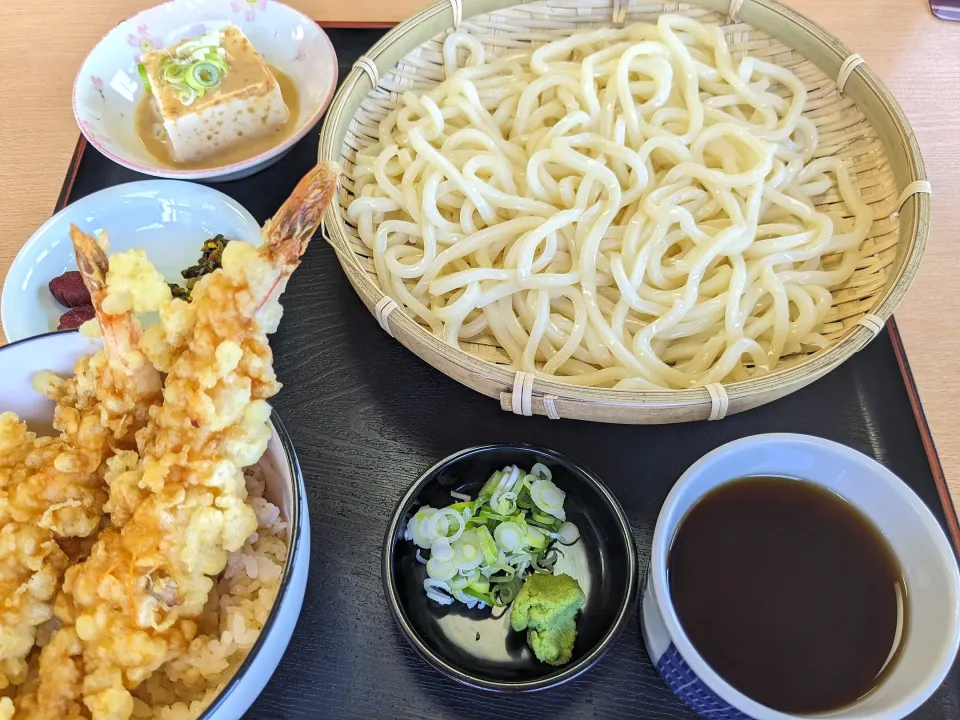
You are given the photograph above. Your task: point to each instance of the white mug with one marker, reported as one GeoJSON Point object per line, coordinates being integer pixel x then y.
{"type": "Point", "coordinates": [926, 557]}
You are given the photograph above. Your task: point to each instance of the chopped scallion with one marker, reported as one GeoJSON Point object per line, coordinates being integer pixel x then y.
{"type": "Point", "coordinates": [144, 78]}
{"type": "Point", "coordinates": [196, 67]}
{"type": "Point", "coordinates": [482, 549]}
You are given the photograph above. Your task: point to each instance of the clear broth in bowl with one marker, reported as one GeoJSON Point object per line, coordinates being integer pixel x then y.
{"type": "Point", "coordinates": [789, 593]}
{"type": "Point", "coordinates": [147, 119]}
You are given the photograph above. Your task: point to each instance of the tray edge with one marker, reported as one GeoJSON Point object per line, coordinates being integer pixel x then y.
{"type": "Point", "coordinates": [66, 189]}
{"type": "Point", "coordinates": [926, 435]}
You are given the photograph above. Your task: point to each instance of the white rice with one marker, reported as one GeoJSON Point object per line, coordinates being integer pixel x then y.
{"type": "Point", "coordinates": [236, 610]}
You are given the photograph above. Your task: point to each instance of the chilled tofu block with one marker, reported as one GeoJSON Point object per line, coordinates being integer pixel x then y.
{"type": "Point", "coordinates": [246, 103]}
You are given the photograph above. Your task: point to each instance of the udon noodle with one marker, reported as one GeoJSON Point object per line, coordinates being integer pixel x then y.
{"type": "Point", "coordinates": [628, 208]}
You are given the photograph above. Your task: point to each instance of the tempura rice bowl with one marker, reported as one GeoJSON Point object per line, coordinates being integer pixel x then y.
{"type": "Point", "coordinates": [255, 603]}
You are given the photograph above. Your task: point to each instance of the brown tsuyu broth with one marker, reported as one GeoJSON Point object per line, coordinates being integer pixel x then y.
{"type": "Point", "coordinates": [789, 593]}
{"type": "Point", "coordinates": [147, 119]}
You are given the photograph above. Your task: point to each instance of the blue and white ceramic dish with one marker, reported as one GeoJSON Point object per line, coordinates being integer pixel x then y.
{"type": "Point", "coordinates": [927, 559]}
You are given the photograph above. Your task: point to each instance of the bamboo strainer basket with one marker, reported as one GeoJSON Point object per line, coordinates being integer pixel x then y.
{"type": "Point", "coordinates": [857, 119]}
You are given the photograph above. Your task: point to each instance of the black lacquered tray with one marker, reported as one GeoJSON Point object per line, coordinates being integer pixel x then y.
{"type": "Point", "coordinates": [367, 417]}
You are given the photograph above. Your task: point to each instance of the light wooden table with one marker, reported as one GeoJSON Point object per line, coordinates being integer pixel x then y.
{"type": "Point", "coordinates": [915, 54]}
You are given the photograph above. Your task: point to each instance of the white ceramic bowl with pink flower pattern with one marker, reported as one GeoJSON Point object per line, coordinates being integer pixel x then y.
{"type": "Point", "coordinates": [108, 86]}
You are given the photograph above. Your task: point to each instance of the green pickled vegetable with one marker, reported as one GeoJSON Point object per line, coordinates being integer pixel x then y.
{"type": "Point", "coordinates": [211, 258]}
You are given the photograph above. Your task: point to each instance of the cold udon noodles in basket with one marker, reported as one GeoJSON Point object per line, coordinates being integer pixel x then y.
{"type": "Point", "coordinates": [662, 205]}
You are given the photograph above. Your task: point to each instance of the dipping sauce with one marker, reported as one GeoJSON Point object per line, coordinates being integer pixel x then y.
{"type": "Point", "coordinates": [789, 593]}
{"type": "Point", "coordinates": [149, 124]}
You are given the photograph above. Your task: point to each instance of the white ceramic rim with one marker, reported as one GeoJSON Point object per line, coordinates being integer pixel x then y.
{"type": "Point", "coordinates": [211, 173]}
{"type": "Point", "coordinates": [658, 578]}
{"type": "Point", "coordinates": [7, 297]}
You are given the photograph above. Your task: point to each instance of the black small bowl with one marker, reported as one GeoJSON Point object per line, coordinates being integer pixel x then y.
{"type": "Point", "coordinates": [478, 647]}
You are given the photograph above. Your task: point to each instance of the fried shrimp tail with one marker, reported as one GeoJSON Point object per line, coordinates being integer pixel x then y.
{"type": "Point", "coordinates": [138, 379]}
{"type": "Point", "coordinates": [287, 234]}
{"type": "Point", "coordinates": [93, 264]}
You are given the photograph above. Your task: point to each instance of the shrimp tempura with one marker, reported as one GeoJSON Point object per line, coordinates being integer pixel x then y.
{"type": "Point", "coordinates": [118, 385]}
{"type": "Point", "coordinates": [53, 489]}
{"type": "Point", "coordinates": [133, 602]}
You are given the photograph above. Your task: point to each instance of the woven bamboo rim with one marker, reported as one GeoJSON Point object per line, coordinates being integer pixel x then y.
{"type": "Point", "coordinates": [858, 120]}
